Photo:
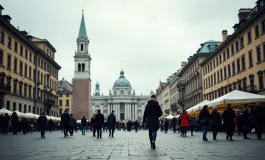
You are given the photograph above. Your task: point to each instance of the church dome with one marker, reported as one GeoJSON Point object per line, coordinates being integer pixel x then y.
{"type": "Point", "coordinates": [122, 81]}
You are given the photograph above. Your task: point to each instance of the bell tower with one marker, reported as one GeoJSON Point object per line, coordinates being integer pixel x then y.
{"type": "Point", "coordinates": [81, 80]}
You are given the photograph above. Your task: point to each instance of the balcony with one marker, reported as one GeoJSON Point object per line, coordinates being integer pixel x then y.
{"type": "Point", "coordinates": [181, 101]}
{"type": "Point", "coordinates": [5, 88]}
{"type": "Point", "coordinates": [49, 102]}
{"type": "Point", "coordinates": [181, 84]}
{"type": "Point", "coordinates": [174, 106]}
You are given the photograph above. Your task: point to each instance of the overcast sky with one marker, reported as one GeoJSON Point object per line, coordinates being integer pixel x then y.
{"type": "Point", "coordinates": [147, 38]}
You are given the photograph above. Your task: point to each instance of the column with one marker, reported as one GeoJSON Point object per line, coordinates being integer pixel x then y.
{"type": "Point", "coordinates": [136, 109]}
{"type": "Point", "coordinates": [108, 109]}
{"type": "Point", "coordinates": [119, 112]}
{"type": "Point", "coordinates": [126, 111]}
{"type": "Point", "coordinates": [130, 111]}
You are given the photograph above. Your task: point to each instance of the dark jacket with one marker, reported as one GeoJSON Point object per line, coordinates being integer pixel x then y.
{"type": "Point", "coordinates": [99, 120]}
{"type": "Point", "coordinates": [93, 121]}
{"type": "Point", "coordinates": [83, 121]}
{"type": "Point", "coordinates": [136, 124]}
{"type": "Point", "coordinates": [111, 120]}
{"type": "Point", "coordinates": [204, 115]}
{"type": "Point", "coordinates": [65, 117]}
{"type": "Point", "coordinates": [42, 120]}
{"type": "Point", "coordinates": [229, 116]}
{"type": "Point", "coordinates": [247, 118]}
{"type": "Point", "coordinates": [174, 121]}
{"type": "Point", "coordinates": [258, 115]}
{"type": "Point", "coordinates": [151, 114]}
{"type": "Point", "coordinates": [72, 122]}
{"type": "Point", "coordinates": [216, 118]}
{"type": "Point", "coordinates": [14, 121]}
{"type": "Point", "coordinates": [192, 121]}
{"type": "Point", "coordinates": [6, 121]}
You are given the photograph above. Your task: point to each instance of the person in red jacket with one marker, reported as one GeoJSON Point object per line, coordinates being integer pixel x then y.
{"type": "Point", "coordinates": [184, 117]}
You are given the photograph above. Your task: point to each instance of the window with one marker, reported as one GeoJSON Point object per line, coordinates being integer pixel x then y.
{"type": "Point", "coordinates": [8, 105]}
{"type": "Point", "coordinates": [20, 89]}
{"type": "Point", "coordinates": [9, 42]}
{"type": "Point", "coordinates": [15, 65]}
{"type": "Point", "coordinates": [122, 92]}
{"type": "Point", "coordinates": [212, 48]}
{"type": "Point", "coordinates": [2, 37]}
{"type": "Point", "coordinates": [15, 49]}
{"type": "Point", "coordinates": [225, 73]}
{"type": "Point", "coordinates": [29, 108]}
{"type": "Point", "coordinates": [30, 69]}
{"type": "Point", "coordinates": [218, 77]}
{"type": "Point", "coordinates": [60, 95]}
{"type": "Point", "coordinates": [21, 68]}
{"type": "Point", "coordinates": [258, 55]}
{"type": "Point", "coordinates": [242, 42]}
{"type": "Point", "coordinates": [249, 37]}
{"type": "Point", "coordinates": [228, 53]}
{"type": "Point", "coordinates": [21, 50]}
{"type": "Point", "coordinates": [220, 59]}
{"type": "Point", "coordinates": [261, 81]}
{"type": "Point", "coordinates": [245, 84]}
{"type": "Point", "coordinates": [25, 108]}
{"type": "Point", "coordinates": [60, 103]}
{"type": "Point", "coordinates": [251, 78]}
{"type": "Point", "coordinates": [82, 47]}
{"type": "Point", "coordinates": [1, 58]}
{"type": "Point", "coordinates": [243, 62]}
{"type": "Point", "coordinates": [239, 84]}
{"type": "Point", "coordinates": [217, 61]}
{"type": "Point", "coordinates": [67, 102]}
{"type": "Point", "coordinates": [237, 47]}
{"type": "Point", "coordinates": [30, 57]}
{"type": "Point", "coordinates": [14, 106]}
{"type": "Point", "coordinates": [224, 56]}
{"type": "Point", "coordinates": [233, 68]}
{"type": "Point", "coordinates": [221, 74]}
{"type": "Point", "coordinates": [238, 65]}
{"type": "Point", "coordinates": [8, 61]}
{"type": "Point", "coordinates": [79, 67]}
{"type": "Point", "coordinates": [83, 67]}
{"type": "Point", "coordinates": [30, 91]}
{"type": "Point", "coordinates": [257, 31]}
{"type": "Point", "coordinates": [250, 58]}
{"type": "Point", "coordinates": [263, 51]}
{"type": "Point", "coordinates": [14, 86]}
{"type": "Point", "coordinates": [67, 95]}
{"type": "Point", "coordinates": [232, 50]}
{"type": "Point", "coordinates": [263, 26]}
{"type": "Point", "coordinates": [25, 91]}
{"type": "Point", "coordinates": [214, 78]}
{"type": "Point", "coordinates": [229, 70]}
{"type": "Point", "coordinates": [26, 70]}
{"type": "Point", "coordinates": [26, 54]}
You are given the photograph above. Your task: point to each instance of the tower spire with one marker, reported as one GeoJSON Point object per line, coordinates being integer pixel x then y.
{"type": "Point", "coordinates": [82, 30]}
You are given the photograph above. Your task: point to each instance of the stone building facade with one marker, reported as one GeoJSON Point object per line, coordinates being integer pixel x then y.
{"type": "Point", "coordinates": [28, 71]}
{"type": "Point", "coordinates": [239, 62]}
{"type": "Point", "coordinates": [190, 77]}
{"type": "Point", "coordinates": [65, 96]}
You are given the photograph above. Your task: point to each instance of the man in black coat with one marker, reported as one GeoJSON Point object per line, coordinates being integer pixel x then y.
{"type": "Point", "coordinates": [99, 123]}
{"type": "Point", "coordinates": [258, 119]}
{"type": "Point", "coordinates": [83, 122]}
{"type": "Point", "coordinates": [24, 125]}
{"type": "Point", "coordinates": [174, 124]}
{"type": "Point", "coordinates": [65, 117]}
{"type": "Point", "coordinates": [229, 124]}
{"type": "Point", "coordinates": [151, 114]}
{"type": "Point", "coordinates": [93, 124]}
{"type": "Point", "coordinates": [247, 121]}
{"type": "Point", "coordinates": [216, 122]}
{"type": "Point", "coordinates": [136, 125]}
{"type": "Point", "coordinates": [72, 125]}
{"type": "Point", "coordinates": [111, 123]}
{"type": "Point", "coordinates": [6, 121]}
{"type": "Point", "coordinates": [166, 125]}
{"type": "Point", "coordinates": [42, 121]}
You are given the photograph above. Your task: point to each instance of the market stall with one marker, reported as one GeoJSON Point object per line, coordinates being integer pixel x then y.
{"type": "Point", "coordinates": [4, 111]}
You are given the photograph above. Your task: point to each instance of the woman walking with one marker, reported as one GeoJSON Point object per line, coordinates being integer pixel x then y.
{"type": "Point", "coordinates": [228, 117]}
{"type": "Point", "coordinates": [151, 114]}
{"type": "Point", "coordinates": [14, 123]}
{"type": "Point", "coordinates": [204, 121]}
{"type": "Point", "coordinates": [216, 122]}
{"type": "Point", "coordinates": [192, 122]}
{"type": "Point", "coordinates": [184, 116]}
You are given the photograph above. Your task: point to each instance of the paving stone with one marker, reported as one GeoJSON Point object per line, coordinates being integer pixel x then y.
{"type": "Point", "coordinates": [128, 145]}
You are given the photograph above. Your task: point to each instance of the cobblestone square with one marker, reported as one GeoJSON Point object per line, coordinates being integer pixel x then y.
{"type": "Point", "coordinates": [127, 145]}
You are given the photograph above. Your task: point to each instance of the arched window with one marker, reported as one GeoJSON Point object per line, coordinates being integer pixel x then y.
{"type": "Point", "coordinates": [82, 47]}
{"type": "Point", "coordinates": [122, 92]}
{"type": "Point", "coordinates": [83, 67]}
{"type": "Point", "coordinates": [79, 67]}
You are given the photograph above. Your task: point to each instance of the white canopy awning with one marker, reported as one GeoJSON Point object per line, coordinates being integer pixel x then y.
{"type": "Point", "coordinates": [31, 115]}
{"type": "Point", "coordinates": [169, 117]}
{"type": "Point", "coordinates": [4, 111]}
{"type": "Point", "coordinates": [197, 106]}
{"type": "Point", "coordinates": [20, 114]}
{"type": "Point", "coordinates": [237, 96]}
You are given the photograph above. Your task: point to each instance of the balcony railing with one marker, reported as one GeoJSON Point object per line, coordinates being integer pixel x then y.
{"type": "Point", "coordinates": [174, 106]}
{"type": "Point", "coordinates": [49, 101]}
{"type": "Point", "coordinates": [5, 87]}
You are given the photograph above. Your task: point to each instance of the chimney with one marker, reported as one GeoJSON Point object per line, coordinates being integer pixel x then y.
{"type": "Point", "coordinates": [7, 18]}
{"type": "Point", "coordinates": [183, 64]}
{"type": "Point", "coordinates": [1, 8]}
{"type": "Point", "coordinates": [243, 13]}
{"type": "Point", "coordinates": [224, 34]}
